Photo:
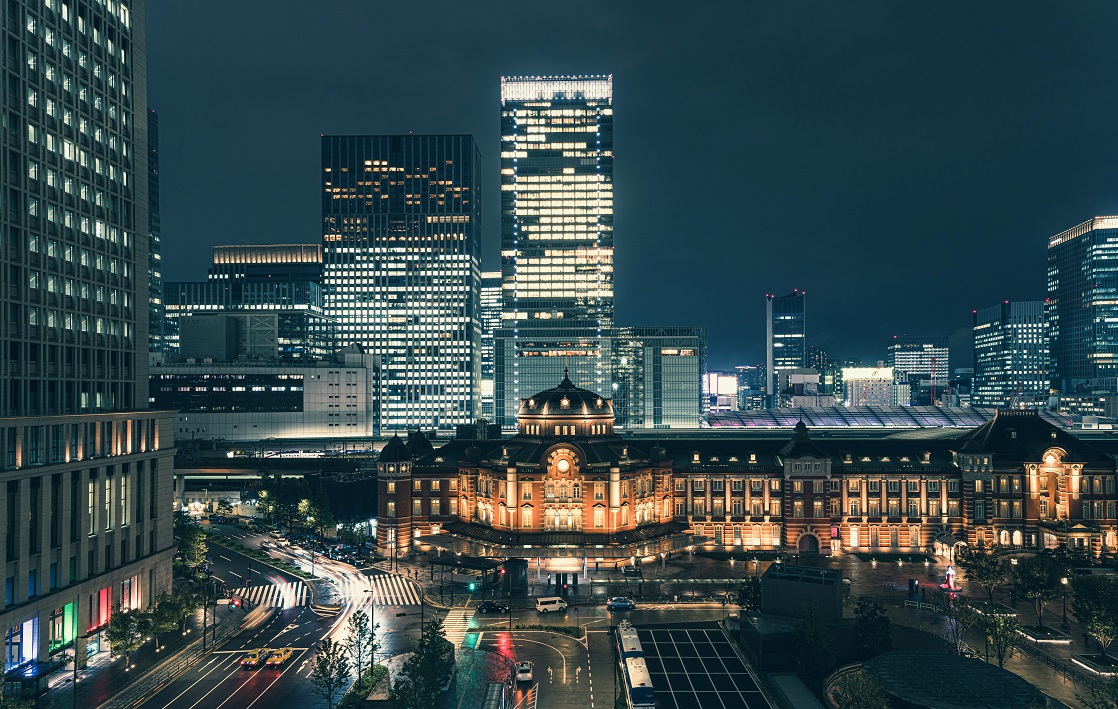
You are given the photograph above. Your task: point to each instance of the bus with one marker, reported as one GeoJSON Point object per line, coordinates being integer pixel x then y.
{"type": "Point", "coordinates": [628, 642]}
{"type": "Point", "coordinates": [639, 693]}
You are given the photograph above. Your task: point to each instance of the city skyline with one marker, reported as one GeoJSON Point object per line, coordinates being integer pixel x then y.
{"type": "Point", "coordinates": [837, 150]}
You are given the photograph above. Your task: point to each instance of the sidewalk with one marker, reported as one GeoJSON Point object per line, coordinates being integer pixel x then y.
{"type": "Point", "coordinates": [104, 676]}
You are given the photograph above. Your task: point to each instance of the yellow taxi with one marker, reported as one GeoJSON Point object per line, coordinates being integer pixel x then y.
{"type": "Point", "coordinates": [255, 658]}
{"type": "Point", "coordinates": [278, 657]}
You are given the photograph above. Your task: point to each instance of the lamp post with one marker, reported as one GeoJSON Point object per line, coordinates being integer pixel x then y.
{"type": "Point", "coordinates": [1064, 583]}
{"type": "Point", "coordinates": [310, 521]}
{"type": "Point", "coordinates": [1013, 593]}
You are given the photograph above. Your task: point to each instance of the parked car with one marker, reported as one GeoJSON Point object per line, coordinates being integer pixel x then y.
{"type": "Point", "coordinates": [280, 656]}
{"type": "Point", "coordinates": [524, 671]}
{"type": "Point", "coordinates": [550, 603]}
{"type": "Point", "coordinates": [255, 658]}
{"type": "Point", "coordinates": [492, 607]}
{"type": "Point", "coordinates": [617, 603]}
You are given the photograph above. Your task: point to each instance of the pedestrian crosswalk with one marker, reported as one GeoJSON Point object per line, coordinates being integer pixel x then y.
{"type": "Point", "coordinates": [392, 590]}
{"type": "Point", "coordinates": [456, 623]}
{"type": "Point", "coordinates": [275, 595]}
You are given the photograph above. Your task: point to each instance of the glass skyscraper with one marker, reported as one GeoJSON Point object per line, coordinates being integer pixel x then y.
{"type": "Point", "coordinates": [401, 220]}
{"type": "Point", "coordinates": [658, 377]}
{"type": "Point", "coordinates": [1083, 306]}
{"type": "Point", "coordinates": [490, 323]}
{"type": "Point", "coordinates": [1011, 355]}
{"type": "Point", "coordinates": [785, 333]}
{"type": "Point", "coordinates": [556, 236]}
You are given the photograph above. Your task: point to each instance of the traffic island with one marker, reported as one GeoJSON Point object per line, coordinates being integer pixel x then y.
{"type": "Point", "coordinates": [1103, 665]}
{"type": "Point", "coordinates": [1040, 634]}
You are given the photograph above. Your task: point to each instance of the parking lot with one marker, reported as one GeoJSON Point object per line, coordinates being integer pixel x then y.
{"type": "Point", "coordinates": [697, 668]}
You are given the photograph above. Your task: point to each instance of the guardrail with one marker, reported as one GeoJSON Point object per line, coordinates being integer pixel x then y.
{"type": "Point", "coordinates": [929, 607]}
{"type": "Point", "coordinates": [157, 677]}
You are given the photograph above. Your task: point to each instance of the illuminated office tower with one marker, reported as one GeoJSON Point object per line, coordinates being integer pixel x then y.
{"type": "Point", "coordinates": [1083, 307]}
{"type": "Point", "coordinates": [401, 220]}
{"type": "Point", "coordinates": [556, 237]}
{"type": "Point", "coordinates": [86, 500]}
{"type": "Point", "coordinates": [921, 365]}
{"type": "Point", "coordinates": [490, 323]}
{"type": "Point", "coordinates": [1011, 355]}
{"type": "Point", "coordinates": [785, 328]}
{"type": "Point", "coordinates": [658, 377]}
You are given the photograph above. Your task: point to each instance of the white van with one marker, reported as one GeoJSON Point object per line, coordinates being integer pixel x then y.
{"type": "Point", "coordinates": [551, 603]}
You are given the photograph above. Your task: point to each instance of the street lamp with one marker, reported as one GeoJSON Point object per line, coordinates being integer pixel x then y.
{"type": "Point", "coordinates": [1064, 582]}
{"type": "Point", "coordinates": [310, 521]}
{"type": "Point", "coordinates": [1013, 594]}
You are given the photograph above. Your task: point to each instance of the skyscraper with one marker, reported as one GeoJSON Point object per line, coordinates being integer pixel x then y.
{"type": "Point", "coordinates": [1083, 307]}
{"type": "Point", "coordinates": [556, 236]}
{"type": "Point", "coordinates": [86, 500]}
{"type": "Point", "coordinates": [490, 323]}
{"type": "Point", "coordinates": [401, 220]}
{"type": "Point", "coordinates": [921, 365]}
{"type": "Point", "coordinates": [155, 268]}
{"type": "Point", "coordinates": [276, 287]}
{"type": "Point", "coordinates": [785, 333]}
{"type": "Point", "coordinates": [1011, 355]}
{"type": "Point", "coordinates": [658, 376]}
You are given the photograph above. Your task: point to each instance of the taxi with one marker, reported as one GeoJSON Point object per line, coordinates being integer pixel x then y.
{"type": "Point", "coordinates": [278, 657]}
{"type": "Point", "coordinates": [255, 658]}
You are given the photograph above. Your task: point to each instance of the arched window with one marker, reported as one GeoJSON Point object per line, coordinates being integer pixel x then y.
{"type": "Point", "coordinates": [550, 490]}
{"type": "Point", "coordinates": [563, 490]}
{"type": "Point", "coordinates": [577, 491]}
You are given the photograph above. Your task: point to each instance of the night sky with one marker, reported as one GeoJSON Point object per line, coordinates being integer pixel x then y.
{"type": "Point", "coordinates": [904, 163]}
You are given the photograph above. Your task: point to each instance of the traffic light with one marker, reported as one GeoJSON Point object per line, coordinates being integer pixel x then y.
{"type": "Point", "coordinates": [473, 587]}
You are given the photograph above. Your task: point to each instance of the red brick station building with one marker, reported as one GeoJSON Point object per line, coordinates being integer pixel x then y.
{"type": "Point", "coordinates": [567, 491]}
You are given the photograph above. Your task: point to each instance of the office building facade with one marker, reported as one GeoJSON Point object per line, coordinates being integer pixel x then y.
{"type": "Point", "coordinates": [155, 266]}
{"type": "Point", "coordinates": [658, 376]}
{"type": "Point", "coordinates": [556, 236]}
{"type": "Point", "coordinates": [785, 338]}
{"type": "Point", "coordinates": [401, 218]}
{"type": "Point", "coordinates": [278, 282]}
{"type": "Point", "coordinates": [490, 323]}
{"type": "Point", "coordinates": [336, 397]}
{"type": "Point", "coordinates": [85, 512]}
{"type": "Point", "coordinates": [920, 364]}
{"type": "Point", "coordinates": [1082, 307]}
{"type": "Point", "coordinates": [1011, 355]}
{"type": "Point", "coordinates": [868, 386]}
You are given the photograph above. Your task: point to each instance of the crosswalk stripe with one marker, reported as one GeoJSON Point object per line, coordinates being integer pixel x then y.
{"type": "Point", "coordinates": [273, 595]}
{"type": "Point", "coordinates": [392, 590]}
{"type": "Point", "coordinates": [456, 623]}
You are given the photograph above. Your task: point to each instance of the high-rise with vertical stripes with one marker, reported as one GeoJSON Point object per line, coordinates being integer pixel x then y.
{"type": "Point", "coordinates": [85, 505]}
{"type": "Point", "coordinates": [401, 237]}
{"type": "Point", "coordinates": [556, 237]}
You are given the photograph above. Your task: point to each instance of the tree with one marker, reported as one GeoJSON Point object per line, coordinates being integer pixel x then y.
{"type": "Point", "coordinates": [984, 566]}
{"type": "Point", "coordinates": [126, 631]}
{"type": "Point", "coordinates": [1100, 696]}
{"type": "Point", "coordinates": [749, 594]}
{"type": "Point", "coordinates": [361, 642]}
{"type": "Point", "coordinates": [181, 606]}
{"type": "Point", "coordinates": [960, 615]}
{"type": "Point", "coordinates": [1095, 604]}
{"type": "Point", "coordinates": [859, 690]}
{"type": "Point", "coordinates": [1003, 634]}
{"type": "Point", "coordinates": [814, 643]}
{"type": "Point", "coordinates": [872, 628]}
{"type": "Point", "coordinates": [193, 547]}
{"type": "Point", "coordinates": [427, 672]}
{"type": "Point", "coordinates": [330, 673]}
{"type": "Point", "coordinates": [1039, 581]}
{"type": "Point", "coordinates": [348, 534]}
{"type": "Point", "coordinates": [164, 616]}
